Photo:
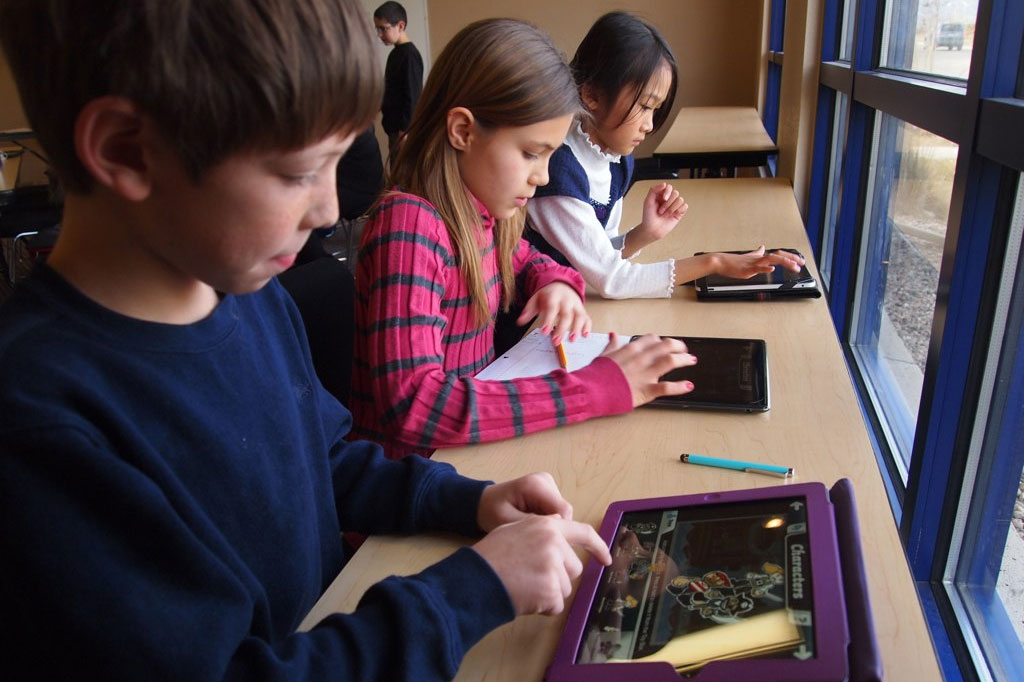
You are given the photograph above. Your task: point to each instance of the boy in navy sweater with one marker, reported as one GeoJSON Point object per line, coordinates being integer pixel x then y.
{"type": "Point", "coordinates": [173, 477]}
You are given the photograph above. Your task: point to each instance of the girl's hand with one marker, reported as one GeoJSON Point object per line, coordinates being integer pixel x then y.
{"type": "Point", "coordinates": [663, 209]}
{"type": "Point", "coordinates": [646, 360]}
{"type": "Point", "coordinates": [560, 311]}
{"type": "Point", "coordinates": [746, 265]}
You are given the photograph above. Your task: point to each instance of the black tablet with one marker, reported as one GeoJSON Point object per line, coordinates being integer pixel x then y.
{"type": "Point", "coordinates": [730, 374]}
{"type": "Point", "coordinates": [779, 283]}
{"type": "Point", "coordinates": [737, 585]}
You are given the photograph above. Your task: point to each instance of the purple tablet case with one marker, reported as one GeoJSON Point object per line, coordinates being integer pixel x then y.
{"type": "Point", "coordinates": [844, 637]}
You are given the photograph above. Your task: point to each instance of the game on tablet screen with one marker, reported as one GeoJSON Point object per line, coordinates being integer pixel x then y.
{"type": "Point", "coordinates": [691, 585]}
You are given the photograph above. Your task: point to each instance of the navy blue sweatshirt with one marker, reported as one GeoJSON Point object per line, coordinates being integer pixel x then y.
{"type": "Point", "coordinates": [171, 499]}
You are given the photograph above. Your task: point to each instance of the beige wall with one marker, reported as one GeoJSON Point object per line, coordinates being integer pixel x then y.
{"type": "Point", "coordinates": [717, 43]}
{"type": "Point", "coordinates": [799, 97]}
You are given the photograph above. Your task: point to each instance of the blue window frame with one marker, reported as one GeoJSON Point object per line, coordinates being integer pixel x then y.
{"type": "Point", "coordinates": [773, 90]}
{"type": "Point", "coordinates": [962, 457]}
{"type": "Point", "coordinates": [984, 576]}
{"type": "Point", "coordinates": [834, 186]}
{"type": "Point", "coordinates": [909, 189]}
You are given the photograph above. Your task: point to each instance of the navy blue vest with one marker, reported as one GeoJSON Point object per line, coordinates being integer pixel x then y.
{"type": "Point", "coordinates": [568, 179]}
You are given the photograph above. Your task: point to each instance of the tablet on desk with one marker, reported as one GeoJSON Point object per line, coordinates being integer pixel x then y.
{"type": "Point", "coordinates": [779, 283]}
{"type": "Point", "coordinates": [730, 374]}
{"type": "Point", "coordinates": [739, 585]}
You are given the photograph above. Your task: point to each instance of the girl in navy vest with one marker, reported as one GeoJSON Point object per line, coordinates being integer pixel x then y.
{"type": "Point", "coordinates": [627, 79]}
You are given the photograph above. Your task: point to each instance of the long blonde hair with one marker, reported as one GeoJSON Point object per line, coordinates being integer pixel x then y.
{"type": "Point", "coordinates": [507, 73]}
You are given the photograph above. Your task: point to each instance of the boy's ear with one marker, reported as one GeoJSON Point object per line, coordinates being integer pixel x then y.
{"type": "Point", "coordinates": [460, 128]}
{"type": "Point", "coordinates": [401, 26]}
{"type": "Point", "coordinates": [110, 143]}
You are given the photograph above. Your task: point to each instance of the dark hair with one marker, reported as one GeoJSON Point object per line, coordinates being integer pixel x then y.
{"type": "Point", "coordinates": [217, 77]}
{"type": "Point", "coordinates": [391, 12]}
{"type": "Point", "coordinates": [622, 51]}
{"type": "Point", "coordinates": [509, 74]}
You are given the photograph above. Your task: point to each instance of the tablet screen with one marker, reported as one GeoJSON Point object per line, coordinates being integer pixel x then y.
{"type": "Point", "coordinates": [694, 584]}
{"type": "Point", "coordinates": [729, 374]}
{"type": "Point", "coordinates": [776, 278]}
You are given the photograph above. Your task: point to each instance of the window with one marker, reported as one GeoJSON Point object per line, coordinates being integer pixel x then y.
{"type": "Point", "coordinates": [920, 212]}
{"type": "Point", "coordinates": [985, 572]}
{"type": "Point", "coordinates": [846, 31]}
{"type": "Point", "coordinates": [773, 93]}
{"type": "Point", "coordinates": [911, 180]}
{"type": "Point", "coordinates": [930, 36]}
{"type": "Point", "coordinates": [834, 187]}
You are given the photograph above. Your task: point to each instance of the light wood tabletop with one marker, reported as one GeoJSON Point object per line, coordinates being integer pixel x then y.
{"type": "Point", "coordinates": [814, 425]}
{"type": "Point", "coordinates": [712, 137]}
{"type": "Point", "coordinates": [716, 129]}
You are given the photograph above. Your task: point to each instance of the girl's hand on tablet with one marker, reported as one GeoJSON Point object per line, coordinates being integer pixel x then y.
{"type": "Point", "coordinates": [645, 360]}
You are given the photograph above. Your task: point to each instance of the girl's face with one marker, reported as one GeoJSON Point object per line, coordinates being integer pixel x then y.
{"type": "Point", "coordinates": [503, 166]}
{"type": "Point", "coordinates": [609, 131]}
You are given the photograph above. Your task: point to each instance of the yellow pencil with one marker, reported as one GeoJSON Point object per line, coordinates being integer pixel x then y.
{"type": "Point", "coordinates": [563, 361]}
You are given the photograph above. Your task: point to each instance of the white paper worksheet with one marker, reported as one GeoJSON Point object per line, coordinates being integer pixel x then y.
{"type": "Point", "coordinates": [535, 356]}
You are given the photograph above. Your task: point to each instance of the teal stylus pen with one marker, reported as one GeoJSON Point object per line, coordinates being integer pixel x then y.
{"type": "Point", "coordinates": [770, 469]}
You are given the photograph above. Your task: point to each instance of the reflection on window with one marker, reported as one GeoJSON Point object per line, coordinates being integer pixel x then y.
{"type": "Point", "coordinates": [846, 40]}
{"type": "Point", "coordinates": [930, 36]}
{"type": "Point", "coordinates": [835, 184]}
{"type": "Point", "coordinates": [985, 572]}
{"type": "Point", "coordinates": [778, 24]}
{"type": "Point", "coordinates": [911, 180]}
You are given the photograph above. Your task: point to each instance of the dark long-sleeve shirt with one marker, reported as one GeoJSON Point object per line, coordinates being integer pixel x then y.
{"type": "Point", "coordinates": [172, 496]}
{"type": "Point", "coordinates": [403, 82]}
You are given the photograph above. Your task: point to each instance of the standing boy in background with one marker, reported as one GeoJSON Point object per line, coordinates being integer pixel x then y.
{"type": "Point", "coordinates": [174, 478]}
{"type": "Point", "coordinates": [403, 74]}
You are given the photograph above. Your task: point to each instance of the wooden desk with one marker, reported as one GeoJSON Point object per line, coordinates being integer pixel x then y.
{"type": "Point", "coordinates": [715, 137]}
{"type": "Point", "coordinates": [814, 425]}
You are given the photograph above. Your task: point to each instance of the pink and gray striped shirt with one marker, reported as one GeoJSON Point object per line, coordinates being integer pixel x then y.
{"type": "Point", "coordinates": [418, 343]}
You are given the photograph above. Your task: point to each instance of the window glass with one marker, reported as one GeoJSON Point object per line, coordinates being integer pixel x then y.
{"type": "Point", "coordinates": [910, 183]}
{"type": "Point", "coordinates": [1020, 77]}
{"type": "Point", "coordinates": [930, 36]}
{"type": "Point", "coordinates": [846, 35]}
{"type": "Point", "coordinates": [835, 184]}
{"type": "Point", "coordinates": [774, 75]}
{"type": "Point", "coordinates": [987, 556]}
{"type": "Point", "coordinates": [777, 25]}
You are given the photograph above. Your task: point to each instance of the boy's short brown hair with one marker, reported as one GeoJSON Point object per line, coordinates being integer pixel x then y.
{"type": "Point", "coordinates": [218, 76]}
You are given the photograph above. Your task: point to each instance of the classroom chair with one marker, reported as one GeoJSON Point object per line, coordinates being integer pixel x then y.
{"type": "Point", "coordinates": [324, 291]}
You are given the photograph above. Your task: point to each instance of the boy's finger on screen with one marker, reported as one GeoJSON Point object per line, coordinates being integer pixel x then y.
{"type": "Point", "coordinates": [584, 536]}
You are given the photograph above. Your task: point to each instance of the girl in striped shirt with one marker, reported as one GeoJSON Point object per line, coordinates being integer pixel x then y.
{"type": "Point", "coordinates": [443, 252]}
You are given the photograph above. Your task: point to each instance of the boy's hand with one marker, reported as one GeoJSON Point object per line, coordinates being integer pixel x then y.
{"type": "Point", "coordinates": [560, 311]}
{"type": "Point", "coordinates": [510, 501]}
{"type": "Point", "coordinates": [663, 209]}
{"type": "Point", "coordinates": [746, 265]}
{"type": "Point", "coordinates": [534, 558]}
{"type": "Point", "coordinates": [645, 360]}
